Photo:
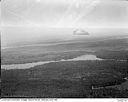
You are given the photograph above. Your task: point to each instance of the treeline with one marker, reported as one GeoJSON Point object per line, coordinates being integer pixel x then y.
{"type": "Point", "coordinates": [117, 55]}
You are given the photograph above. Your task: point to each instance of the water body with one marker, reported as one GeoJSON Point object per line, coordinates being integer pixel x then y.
{"type": "Point", "coordinates": [86, 57]}
{"type": "Point", "coordinates": [29, 65]}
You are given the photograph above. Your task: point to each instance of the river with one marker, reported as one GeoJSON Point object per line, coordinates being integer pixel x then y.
{"type": "Point", "coordinates": [29, 65]}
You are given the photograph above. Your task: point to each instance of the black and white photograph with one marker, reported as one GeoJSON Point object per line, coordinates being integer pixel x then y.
{"type": "Point", "coordinates": [64, 49]}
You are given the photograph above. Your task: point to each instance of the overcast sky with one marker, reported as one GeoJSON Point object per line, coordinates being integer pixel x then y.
{"type": "Point", "coordinates": [33, 15]}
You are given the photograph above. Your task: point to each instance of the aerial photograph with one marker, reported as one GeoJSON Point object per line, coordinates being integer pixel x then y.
{"type": "Point", "coordinates": [64, 48]}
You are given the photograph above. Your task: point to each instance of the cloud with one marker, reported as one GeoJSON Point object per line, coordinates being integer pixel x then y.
{"type": "Point", "coordinates": [80, 32]}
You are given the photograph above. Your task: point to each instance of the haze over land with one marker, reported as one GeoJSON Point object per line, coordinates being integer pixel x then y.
{"type": "Point", "coordinates": [15, 36]}
{"type": "Point", "coordinates": [35, 21]}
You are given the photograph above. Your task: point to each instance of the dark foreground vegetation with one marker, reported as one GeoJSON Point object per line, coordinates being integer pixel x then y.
{"type": "Point", "coordinates": [67, 79]}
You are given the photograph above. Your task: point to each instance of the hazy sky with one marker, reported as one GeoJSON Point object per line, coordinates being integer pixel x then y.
{"type": "Point", "coordinates": [27, 19]}
{"type": "Point", "coordinates": [65, 13]}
